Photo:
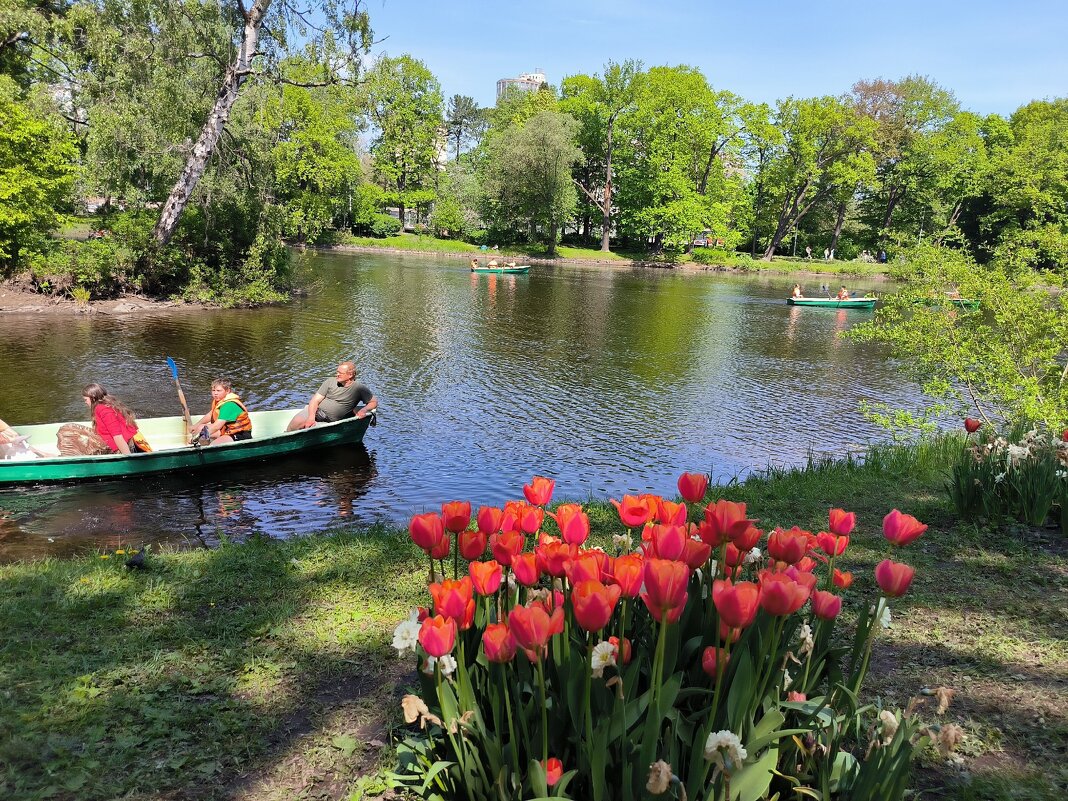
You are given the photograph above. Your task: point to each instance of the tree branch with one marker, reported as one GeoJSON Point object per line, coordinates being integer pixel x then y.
{"type": "Point", "coordinates": [15, 38]}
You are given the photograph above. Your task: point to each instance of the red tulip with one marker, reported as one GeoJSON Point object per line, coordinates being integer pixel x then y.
{"type": "Point", "coordinates": [841, 522]}
{"type": "Point", "coordinates": [529, 517]}
{"type": "Point", "coordinates": [426, 529]}
{"type": "Point", "coordinates": [627, 650]}
{"type": "Point", "coordinates": [633, 511]}
{"type": "Point", "coordinates": [711, 659]}
{"type": "Point", "coordinates": [485, 577]}
{"type": "Point", "coordinates": [901, 529]}
{"type": "Point", "coordinates": [573, 522]}
{"type": "Point", "coordinates": [628, 571]}
{"type": "Point", "coordinates": [437, 635]}
{"type": "Point", "coordinates": [747, 538]}
{"type": "Point", "coordinates": [456, 515]}
{"type": "Point", "coordinates": [727, 634]}
{"type": "Point", "coordinates": [723, 521]}
{"type": "Point", "coordinates": [826, 605]}
{"type": "Point", "coordinates": [796, 697]}
{"type": "Point", "coordinates": [842, 580]}
{"type": "Point", "coordinates": [553, 558]}
{"type": "Point", "coordinates": [441, 548]}
{"type": "Point", "coordinates": [692, 487]}
{"type": "Point", "coordinates": [554, 769]}
{"type": "Point", "coordinates": [498, 643]}
{"type": "Point", "coordinates": [696, 553]}
{"type": "Point", "coordinates": [525, 567]}
{"type": "Point", "coordinates": [832, 544]}
{"type": "Point", "coordinates": [532, 627]}
{"type": "Point", "coordinates": [666, 541]}
{"type": "Point", "coordinates": [780, 594]}
{"type": "Point", "coordinates": [665, 589]}
{"type": "Point", "coordinates": [788, 545]}
{"type": "Point", "coordinates": [505, 545]}
{"type": "Point", "coordinates": [489, 519]}
{"type": "Point", "coordinates": [454, 599]}
{"type": "Point", "coordinates": [736, 603]}
{"type": "Point", "coordinates": [593, 604]}
{"type": "Point", "coordinates": [539, 491]}
{"type": "Point", "coordinates": [472, 544]}
{"type": "Point", "coordinates": [605, 562]}
{"type": "Point", "coordinates": [1064, 436]}
{"type": "Point", "coordinates": [583, 566]}
{"type": "Point", "coordinates": [893, 578]}
{"type": "Point", "coordinates": [971, 425]}
{"type": "Point", "coordinates": [670, 513]}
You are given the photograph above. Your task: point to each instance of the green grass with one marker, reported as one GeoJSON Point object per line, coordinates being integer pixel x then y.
{"type": "Point", "coordinates": [403, 242]}
{"type": "Point", "coordinates": [266, 668]}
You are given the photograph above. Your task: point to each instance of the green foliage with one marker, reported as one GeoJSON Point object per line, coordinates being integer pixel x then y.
{"type": "Point", "coordinates": [448, 218]}
{"type": "Point", "coordinates": [36, 170]}
{"type": "Point", "coordinates": [384, 225]}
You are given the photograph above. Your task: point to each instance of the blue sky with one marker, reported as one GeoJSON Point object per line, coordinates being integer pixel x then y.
{"type": "Point", "coordinates": [994, 56]}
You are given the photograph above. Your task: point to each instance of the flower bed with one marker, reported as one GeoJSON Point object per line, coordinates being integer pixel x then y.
{"type": "Point", "coordinates": [697, 667]}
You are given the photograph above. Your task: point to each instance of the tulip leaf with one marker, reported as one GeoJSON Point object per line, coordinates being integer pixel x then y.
{"type": "Point", "coordinates": [435, 769]}
{"type": "Point", "coordinates": [740, 700]}
{"type": "Point", "coordinates": [751, 783]}
{"type": "Point", "coordinates": [771, 721]}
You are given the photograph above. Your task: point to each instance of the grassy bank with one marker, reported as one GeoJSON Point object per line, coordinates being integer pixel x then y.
{"type": "Point", "coordinates": [264, 671]}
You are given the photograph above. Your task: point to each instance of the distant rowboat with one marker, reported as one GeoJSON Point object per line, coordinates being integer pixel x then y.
{"type": "Point", "coordinates": [517, 270]}
{"type": "Point", "coordinates": [834, 303]}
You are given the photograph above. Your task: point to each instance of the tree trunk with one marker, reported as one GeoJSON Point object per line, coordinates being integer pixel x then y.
{"type": "Point", "coordinates": [606, 224]}
{"type": "Point", "coordinates": [198, 159]}
{"type": "Point", "coordinates": [553, 227]}
{"type": "Point", "coordinates": [788, 216]}
{"type": "Point", "coordinates": [891, 204]}
{"type": "Point", "coordinates": [838, 225]}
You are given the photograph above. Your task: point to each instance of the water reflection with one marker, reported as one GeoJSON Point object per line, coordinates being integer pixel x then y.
{"type": "Point", "coordinates": [609, 380]}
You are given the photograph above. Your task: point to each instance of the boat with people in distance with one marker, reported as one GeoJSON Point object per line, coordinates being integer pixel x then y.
{"type": "Point", "coordinates": [169, 439]}
{"type": "Point", "coordinates": [519, 269]}
{"type": "Point", "coordinates": [834, 303]}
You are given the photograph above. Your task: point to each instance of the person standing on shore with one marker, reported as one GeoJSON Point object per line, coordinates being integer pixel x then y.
{"type": "Point", "coordinates": [336, 399]}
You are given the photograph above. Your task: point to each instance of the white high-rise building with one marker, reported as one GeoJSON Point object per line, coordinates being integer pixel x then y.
{"type": "Point", "coordinates": [527, 82]}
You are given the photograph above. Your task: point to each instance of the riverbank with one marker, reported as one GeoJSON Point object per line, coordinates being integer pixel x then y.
{"type": "Point", "coordinates": [14, 300]}
{"type": "Point", "coordinates": [264, 671]}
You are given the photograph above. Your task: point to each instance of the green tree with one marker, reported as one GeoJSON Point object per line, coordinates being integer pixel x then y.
{"type": "Point", "coordinates": [527, 175]}
{"type": "Point", "coordinates": [36, 169]}
{"type": "Point", "coordinates": [464, 122]}
{"type": "Point", "coordinates": [404, 102]}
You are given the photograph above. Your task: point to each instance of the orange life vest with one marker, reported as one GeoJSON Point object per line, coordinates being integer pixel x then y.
{"type": "Point", "coordinates": [242, 423]}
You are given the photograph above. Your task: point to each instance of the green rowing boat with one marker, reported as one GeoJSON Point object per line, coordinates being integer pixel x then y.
{"type": "Point", "coordinates": [834, 303]}
{"type": "Point", "coordinates": [172, 451]}
{"type": "Point", "coordinates": [520, 269]}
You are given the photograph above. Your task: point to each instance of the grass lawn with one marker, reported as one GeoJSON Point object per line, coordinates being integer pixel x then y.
{"type": "Point", "coordinates": [264, 670]}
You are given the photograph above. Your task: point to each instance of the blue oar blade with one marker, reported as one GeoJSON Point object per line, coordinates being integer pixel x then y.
{"type": "Point", "coordinates": [173, 366]}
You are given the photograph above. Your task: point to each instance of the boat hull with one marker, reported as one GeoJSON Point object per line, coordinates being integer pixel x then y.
{"type": "Point", "coordinates": [833, 303]}
{"type": "Point", "coordinates": [167, 436]}
{"type": "Point", "coordinates": [520, 270]}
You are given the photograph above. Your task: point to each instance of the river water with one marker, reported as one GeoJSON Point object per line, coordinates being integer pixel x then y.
{"type": "Point", "coordinates": [609, 380]}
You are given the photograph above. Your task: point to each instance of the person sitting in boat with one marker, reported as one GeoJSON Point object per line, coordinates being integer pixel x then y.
{"type": "Point", "coordinates": [843, 294]}
{"type": "Point", "coordinates": [114, 421]}
{"type": "Point", "coordinates": [228, 419]}
{"type": "Point", "coordinates": [336, 399]}
{"type": "Point", "coordinates": [797, 292]}
{"type": "Point", "coordinates": [474, 264]}
{"type": "Point", "coordinates": [510, 264]}
{"type": "Point", "coordinates": [492, 264]}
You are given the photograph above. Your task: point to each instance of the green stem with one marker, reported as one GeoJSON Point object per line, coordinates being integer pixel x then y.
{"type": "Point", "coordinates": [658, 663]}
{"type": "Point", "coordinates": [620, 651]}
{"type": "Point", "coordinates": [544, 712]}
{"type": "Point", "coordinates": [511, 723]}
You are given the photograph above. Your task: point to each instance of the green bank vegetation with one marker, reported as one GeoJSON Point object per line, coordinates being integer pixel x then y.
{"type": "Point", "coordinates": [201, 173]}
{"type": "Point", "coordinates": [266, 669]}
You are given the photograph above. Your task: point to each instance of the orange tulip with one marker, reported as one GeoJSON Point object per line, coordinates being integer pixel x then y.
{"type": "Point", "coordinates": [498, 643]}
{"type": "Point", "coordinates": [593, 604]}
{"type": "Point", "coordinates": [472, 544]}
{"type": "Point", "coordinates": [665, 589]}
{"type": "Point", "coordinates": [788, 545]}
{"type": "Point", "coordinates": [489, 519]}
{"type": "Point", "coordinates": [454, 599]}
{"type": "Point", "coordinates": [553, 558]}
{"type": "Point", "coordinates": [747, 538]}
{"type": "Point", "coordinates": [893, 578]}
{"type": "Point", "coordinates": [485, 577]}
{"type": "Point", "coordinates": [780, 594]}
{"type": "Point", "coordinates": [437, 635]}
{"type": "Point", "coordinates": [723, 521]}
{"type": "Point", "coordinates": [633, 511]}
{"type": "Point", "coordinates": [628, 571]}
{"type": "Point", "coordinates": [666, 541]}
{"type": "Point", "coordinates": [842, 580]}
{"type": "Point", "coordinates": [901, 529]}
{"type": "Point", "coordinates": [832, 544]}
{"type": "Point", "coordinates": [670, 513]}
{"type": "Point", "coordinates": [426, 529]}
{"type": "Point", "coordinates": [696, 553]}
{"type": "Point", "coordinates": [505, 545]}
{"type": "Point", "coordinates": [525, 567]}
{"type": "Point", "coordinates": [692, 487]}
{"type": "Point", "coordinates": [627, 650]}
{"type": "Point", "coordinates": [841, 522]}
{"type": "Point", "coordinates": [737, 604]}
{"type": "Point", "coordinates": [584, 566]}
{"type": "Point", "coordinates": [826, 605]}
{"type": "Point", "coordinates": [532, 627]}
{"type": "Point", "coordinates": [554, 769]}
{"type": "Point", "coordinates": [530, 517]}
{"type": "Point", "coordinates": [456, 515]}
{"type": "Point", "coordinates": [711, 659]}
{"type": "Point", "coordinates": [573, 522]}
{"type": "Point", "coordinates": [539, 491]}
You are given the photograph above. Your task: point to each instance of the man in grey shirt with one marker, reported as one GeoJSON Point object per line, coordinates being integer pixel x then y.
{"type": "Point", "coordinates": [335, 399]}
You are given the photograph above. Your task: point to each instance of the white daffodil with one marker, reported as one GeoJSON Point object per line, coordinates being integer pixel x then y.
{"type": "Point", "coordinates": [406, 635]}
{"type": "Point", "coordinates": [602, 656]}
{"type": "Point", "coordinates": [725, 751]}
{"type": "Point", "coordinates": [448, 665]}
{"type": "Point", "coordinates": [754, 555]}
{"type": "Point", "coordinates": [805, 635]}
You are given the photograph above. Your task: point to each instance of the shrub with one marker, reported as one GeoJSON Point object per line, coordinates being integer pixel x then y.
{"type": "Point", "coordinates": [383, 225]}
{"type": "Point", "coordinates": [688, 663]}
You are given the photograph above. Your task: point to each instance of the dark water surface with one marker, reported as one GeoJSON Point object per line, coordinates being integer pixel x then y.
{"type": "Point", "coordinates": [611, 381]}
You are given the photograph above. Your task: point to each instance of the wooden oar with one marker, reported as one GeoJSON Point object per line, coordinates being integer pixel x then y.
{"type": "Point", "coordinates": [181, 395]}
{"type": "Point", "coordinates": [12, 437]}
